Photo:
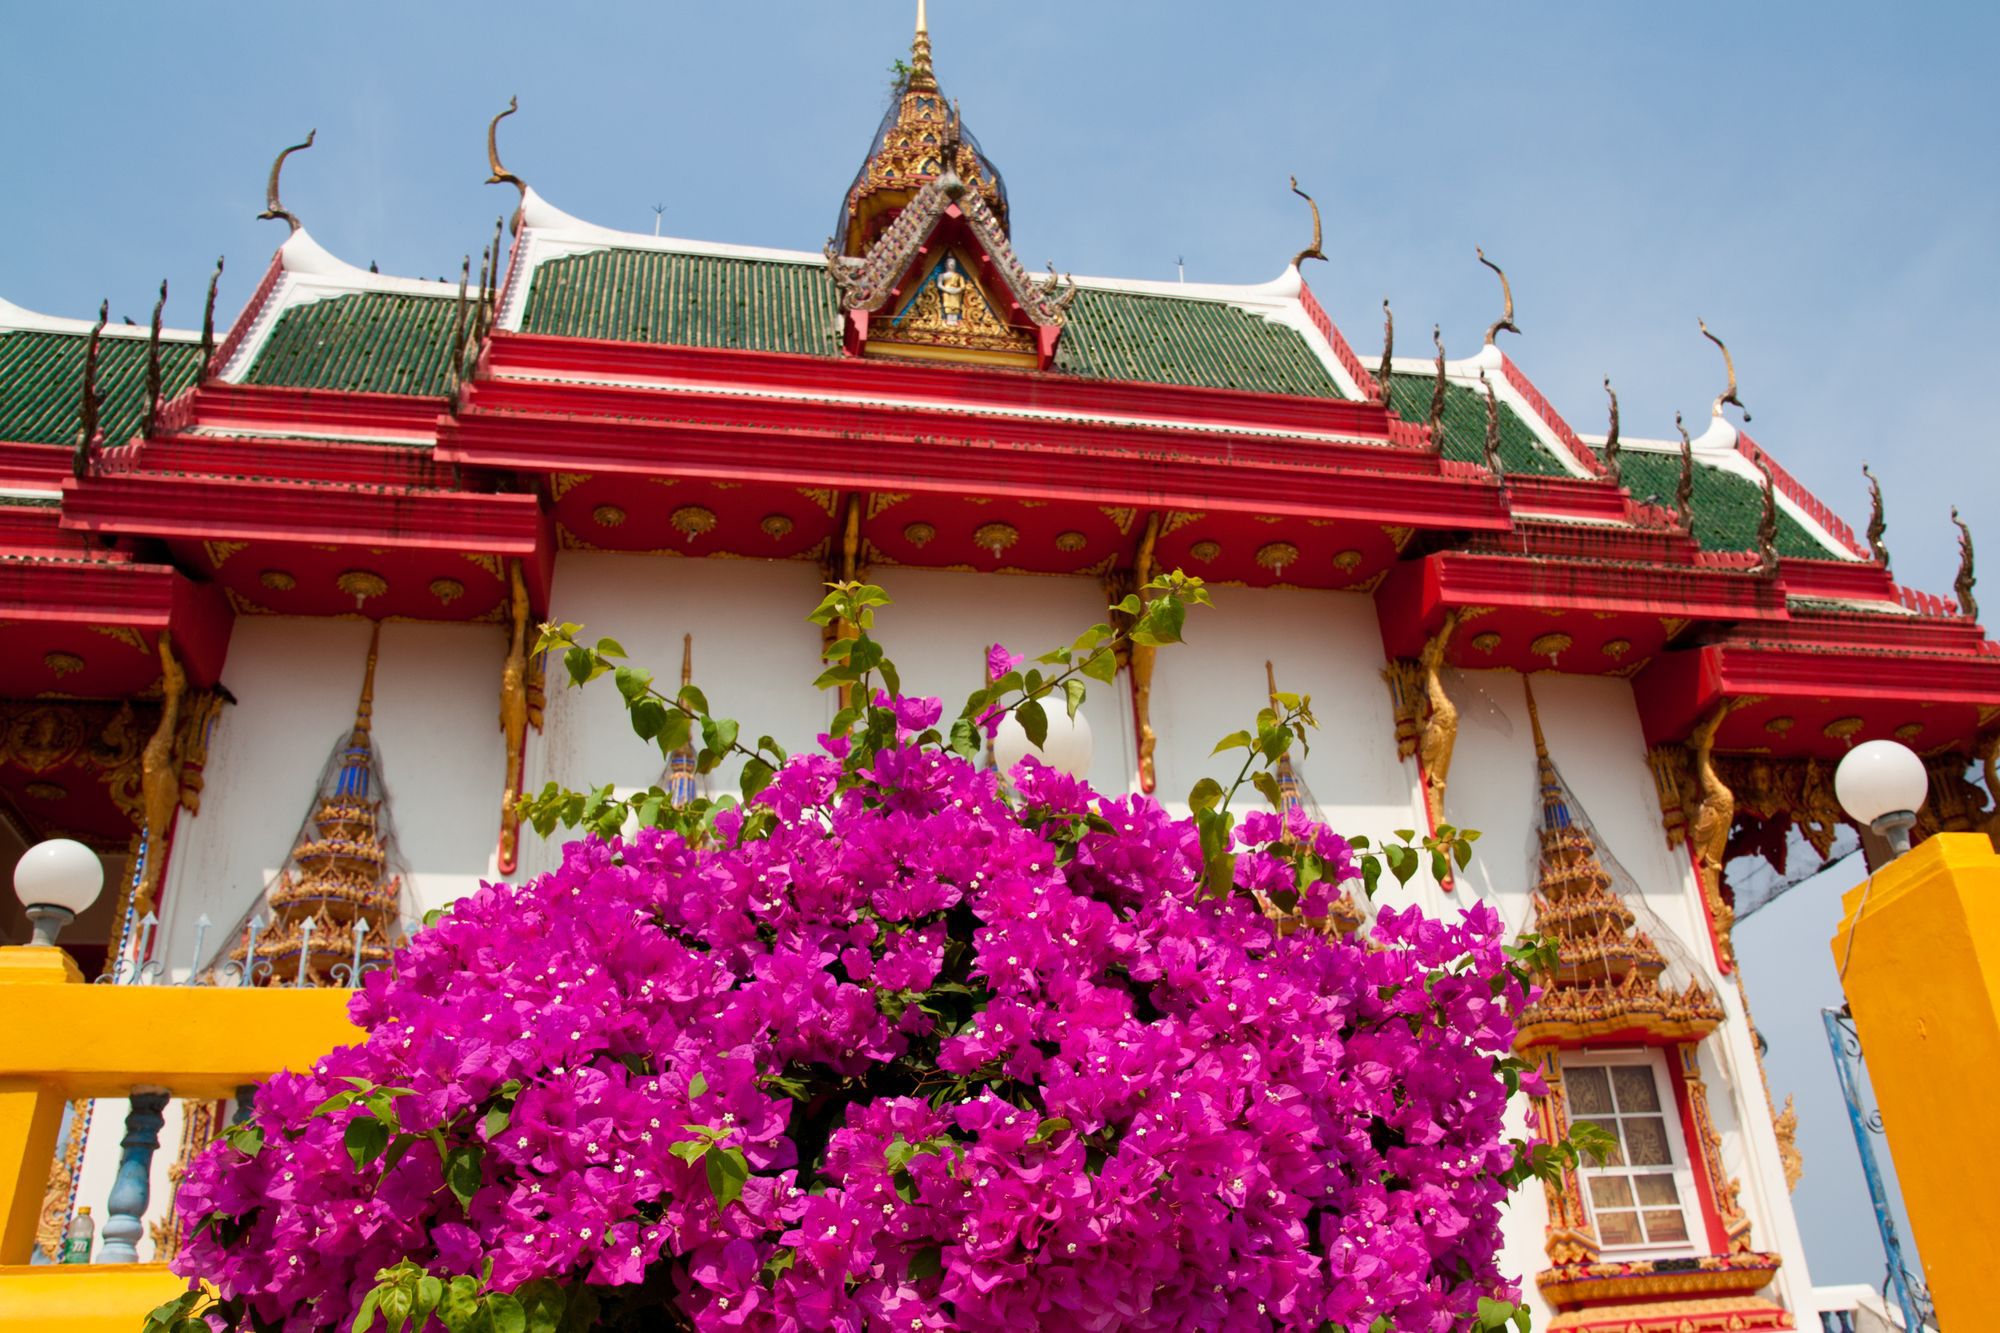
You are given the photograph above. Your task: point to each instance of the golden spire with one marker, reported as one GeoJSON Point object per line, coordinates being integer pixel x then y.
{"type": "Point", "coordinates": [687, 660]}
{"type": "Point", "coordinates": [1535, 724]}
{"type": "Point", "coordinates": [365, 710]}
{"type": "Point", "coordinates": [922, 78]}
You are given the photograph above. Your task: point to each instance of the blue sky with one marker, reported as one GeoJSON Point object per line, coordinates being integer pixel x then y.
{"type": "Point", "coordinates": [1818, 181]}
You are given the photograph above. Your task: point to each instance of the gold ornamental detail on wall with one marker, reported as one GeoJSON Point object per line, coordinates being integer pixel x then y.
{"type": "Point", "coordinates": [1347, 561]}
{"type": "Point", "coordinates": [881, 500]}
{"type": "Point", "coordinates": [776, 526]}
{"type": "Point", "coordinates": [919, 535]}
{"type": "Point", "coordinates": [562, 483]}
{"type": "Point", "coordinates": [824, 496]}
{"type": "Point", "coordinates": [1551, 645]}
{"type": "Point", "coordinates": [1842, 728]}
{"type": "Point", "coordinates": [277, 580]}
{"type": "Point", "coordinates": [62, 664]}
{"type": "Point", "coordinates": [218, 552]}
{"type": "Point", "coordinates": [1277, 556]}
{"type": "Point", "coordinates": [607, 516]}
{"type": "Point", "coordinates": [488, 562]}
{"type": "Point", "coordinates": [995, 537]}
{"type": "Point", "coordinates": [692, 521]}
{"type": "Point", "coordinates": [1176, 519]}
{"type": "Point", "coordinates": [1206, 551]}
{"type": "Point", "coordinates": [126, 634]}
{"type": "Point", "coordinates": [1406, 696]}
{"type": "Point", "coordinates": [361, 584]}
{"type": "Point", "coordinates": [42, 790]}
{"type": "Point", "coordinates": [1485, 642]}
{"type": "Point", "coordinates": [447, 591]}
{"type": "Point", "coordinates": [1071, 541]}
{"type": "Point", "coordinates": [1121, 516]}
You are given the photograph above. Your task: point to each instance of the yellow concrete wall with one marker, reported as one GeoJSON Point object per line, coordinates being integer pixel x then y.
{"type": "Point", "coordinates": [1921, 949]}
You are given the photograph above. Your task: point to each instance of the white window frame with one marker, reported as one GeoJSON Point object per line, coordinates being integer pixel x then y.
{"type": "Point", "coordinates": [1683, 1163]}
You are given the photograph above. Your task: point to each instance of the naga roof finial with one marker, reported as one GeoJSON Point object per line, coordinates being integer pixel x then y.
{"type": "Point", "coordinates": [500, 175]}
{"type": "Point", "coordinates": [1612, 463]}
{"type": "Point", "coordinates": [153, 361]}
{"type": "Point", "coordinates": [208, 316]}
{"type": "Point", "coordinates": [922, 76]}
{"type": "Point", "coordinates": [1767, 523]}
{"type": "Point", "coordinates": [1877, 524]}
{"type": "Point", "coordinates": [273, 206]}
{"type": "Point", "coordinates": [1729, 363]}
{"type": "Point", "coordinates": [92, 401]}
{"type": "Point", "coordinates": [1968, 605]}
{"type": "Point", "coordinates": [1312, 251]}
{"type": "Point", "coordinates": [1684, 491]}
{"type": "Point", "coordinates": [1506, 320]}
{"type": "Point", "coordinates": [1492, 426]}
{"type": "Point", "coordinates": [1437, 394]}
{"type": "Point", "coordinates": [1388, 350]}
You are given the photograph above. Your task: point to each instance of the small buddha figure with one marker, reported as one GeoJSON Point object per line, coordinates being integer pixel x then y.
{"type": "Point", "coordinates": [951, 290]}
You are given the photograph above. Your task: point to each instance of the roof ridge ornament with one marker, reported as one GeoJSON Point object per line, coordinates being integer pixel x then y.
{"type": "Point", "coordinates": [1767, 522]}
{"type": "Point", "coordinates": [498, 173]}
{"type": "Point", "coordinates": [1388, 352]}
{"type": "Point", "coordinates": [1877, 524]}
{"type": "Point", "coordinates": [921, 76]}
{"type": "Point", "coordinates": [273, 206]}
{"type": "Point", "coordinates": [1493, 464]}
{"type": "Point", "coordinates": [92, 400]}
{"type": "Point", "coordinates": [1437, 394]}
{"type": "Point", "coordinates": [1968, 605]}
{"type": "Point", "coordinates": [208, 317]}
{"type": "Point", "coordinates": [1684, 490]}
{"type": "Point", "coordinates": [1506, 320]}
{"type": "Point", "coordinates": [1612, 464]}
{"type": "Point", "coordinates": [153, 362]}
{"type": "Point", "coordinates": [1729, 363]}
{"type": "Point", "coordinates": [1312, 251]}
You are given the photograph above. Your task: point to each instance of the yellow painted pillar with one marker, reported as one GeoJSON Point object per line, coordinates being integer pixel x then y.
{"type": "Point", "coordinates": [30, 1114]}
{"type": "Point", "coordinates": [1920, 949]}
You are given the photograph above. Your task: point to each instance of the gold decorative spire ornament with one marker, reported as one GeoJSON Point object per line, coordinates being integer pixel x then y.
{"type": "Point", "coordinates": [683, 780]}
{"type": "Point", "coordinates": [1437, 393]}
{"type": "Point", "coordinates": [1708, 832]}
{"type": "Point", "coordinates": [1143, 658]}
{"type": "Point", "coordinates": [1506, 320]}
{"type": "Point", "coordinates": [208, 316]}
{"type": "Point", "coordinates": [514, 717]}
{"type": "Point", "coordinates": [92, 401]}
{"type": "Point", "coordinates": [1312, 251]}
{"type": "Point", "coordinates": [1767, 524]}
{"type": "Point", "coordinates": [1684, 489]}
{"type": "Point", "coordinates": [335, 908]}
{"type": "Point", "coordinates": [1729, 363]}
{"type": "Point", "coordinates": [153, 361]}
{"type": "Point", "coordinates": [273, 206]}
{"type": "Point", "coordinates": [921, 74]}
{"type": "Point", "coordinates": [1612, 464]}
{"type": "Point", "coordinates": [1439, 733]}
{"type": "Point", "coordinates": [160, 776]}
{"type": "Point", "coordinates": [1877, 524]}
{"type": "Point", "coordinates": [1493, 463]}
{"type": "Point", "coordinates": [1607, 980]}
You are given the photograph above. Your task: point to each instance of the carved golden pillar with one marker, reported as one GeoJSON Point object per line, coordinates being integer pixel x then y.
{"type": "Point", "coordinates": [515, 714]}
{"type": "Point", "coordinates": [1406, 694]}
{"type": "Point", "coordinates": [1143, 657]}
{"type": "Point", "coordinates": [1714, 815]}
{"type": "Point", "coordinates": [1439, 733]}
{"type": "Point", "coordinates": [159, 779]}
{"type": "Point", "coordinates": [845, 566]}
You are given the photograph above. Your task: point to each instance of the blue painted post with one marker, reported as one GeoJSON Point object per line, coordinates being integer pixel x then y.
{"type": "Point", "coordinates": [1846, 1051]}
{"type": "Point", "coordinates": [132, 1190]}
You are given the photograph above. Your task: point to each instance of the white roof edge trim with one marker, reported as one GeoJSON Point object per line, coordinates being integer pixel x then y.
{"type": "Point", "coordinates": [18, 319]}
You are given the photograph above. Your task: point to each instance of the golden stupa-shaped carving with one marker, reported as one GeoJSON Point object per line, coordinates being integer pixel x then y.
{"type": "Point", "coordinates": [1296, 806]}
{"type": "Point", "coordinates": [1608, 981]}
{"type": "Point", "coordinates": [337, 902]}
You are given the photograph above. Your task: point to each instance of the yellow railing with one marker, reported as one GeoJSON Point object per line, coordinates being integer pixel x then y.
{"type": "Point", "coordinates": [60, 1040]}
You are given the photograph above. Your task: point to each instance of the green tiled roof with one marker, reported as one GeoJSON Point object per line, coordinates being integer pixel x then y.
{"type": "Point", "coordinates": [369, 342]}
{"type": "Point", "coordinates": [1204, 344]}
{"type": "Point", "coordinates": [41, 383]}
{"type": "Point", "coordinates": [1465, 426]}
{"type": "Point", "coordinates": [1727, 507]}
{"type": "Point", "coordinates": [771, 306]}
{"type": "Point", "coordinates": [687, 300]}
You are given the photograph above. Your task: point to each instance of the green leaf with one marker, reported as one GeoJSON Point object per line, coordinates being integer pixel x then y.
{"type": "Point", "coordinates": [1073, 687]}
{"type": "Point", "coordinates": [1048, 1129]}
{"type": "Point", "coordinates": [965, 738]}
{"type": "Point", "coordinates": [580, 665]}
{"type": "Point", "coordinates": [756, 776]}
{"type": "Point", "coordinates": [927, 1262]}
{"type": "Point", "coordinates": [649, 715]}
{"type": "Point", "coordinates": [506, 1313]}
{"type": "Point", "coordinates": [765, 745]}
{"type": "Point", "coordinates": [1034, 721]}
{"type": "Point", "coordinates": [366, 1139]}
{"type": "Point", "coordinates": [692, 697]}
{"type": "Point", "coordinates": [727, 1170]}
{"type": "Point", "coordinates": [1272, 742]}
{"type": "Point", "coordinates": [1101, 665]}
{"type": "Point", "coordinates": [340, 1101]}
{"type": "Point", "coordinates": [1265, 783]}
{"type": "Point", "coordinates": [1207, 794]}
{"type": "Point", "coordinates": [698, 1085]}
{"type": "Point", "coordinates": [1235, 740]}
{"type": "Point", "coordinates": [364, 1318]}
{"type": "Point", "coordinates": [1090, 638]}
{"type": "Point", "coordinates": [462, 1172]}
{"type": "Point", "coordinates": [497, 1120]}
{"type": "Point", "coordinates": [1129, 605]}
{"type": "Point", "coordinates": [632, 682]}
{"type": "Point", "coordinates": [247, 1137]}
{"type": "Point", "coordinates": [674, 731]}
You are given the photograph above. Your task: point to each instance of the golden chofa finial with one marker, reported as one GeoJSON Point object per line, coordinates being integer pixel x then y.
{"type": "Point", "coordinates": [1877, 523]}
{"type": "Point", "coordinates": [922, 77]}
{"type": "Point", "coordinates": [273, 206]}
{"type": "Point", "coordinates": [501, 176]}
{"type": "Point", "coordinates": [1612, 463]}
{"type": "Point", "coordinates": [1388, 350]}
{"type": "Point", "coordinates": [1506, 320]}
{"type": "Point", "coordinates": [1729, 364]}
{"type": "Point", "coordinates": [1312, 251]}
{"type": "Point", "coordinates": [1968, 605]}
{"type": "Point", "coordinates": [1684, 491]}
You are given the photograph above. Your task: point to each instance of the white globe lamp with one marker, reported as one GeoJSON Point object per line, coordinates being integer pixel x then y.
{"type": "Point", "coordinates": [1882, 784]}
{"type": "Point", "coordinates": [1067, 747]}
{"type": "Point", "coordinates": [56, 880]}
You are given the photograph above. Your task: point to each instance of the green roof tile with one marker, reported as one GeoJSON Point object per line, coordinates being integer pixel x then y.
{"type": "Point", "coordinates": [1465, 426]}
{"type": "Point", "coordinates": [369, 342]}
{"type": "Point", "coordinates": [1727, 507]}
{"type": "Point", "coordinates": [688, 300]}
{"type": "Point", "coordinates": [41, 383]}
{"type": "Point", "coordinates": [1203, 344]}
{"type": "Point", "coordinates": [772, 306]}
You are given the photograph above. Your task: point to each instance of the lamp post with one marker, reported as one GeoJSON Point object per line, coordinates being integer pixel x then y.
{"type": "Point", "coordinates": [1881, 784]}
{"type": "Point", "coordinates": [56, 881]}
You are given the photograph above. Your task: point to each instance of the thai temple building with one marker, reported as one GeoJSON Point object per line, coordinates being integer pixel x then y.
{"type": "Point", "coordinates": [269, 590]}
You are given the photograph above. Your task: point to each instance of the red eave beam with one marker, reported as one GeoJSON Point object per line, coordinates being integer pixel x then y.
{"type": "Point", "coordinates": [145, 597]}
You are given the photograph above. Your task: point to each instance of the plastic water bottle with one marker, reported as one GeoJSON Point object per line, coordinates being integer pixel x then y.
{"type": "Point", "coordinates": [77, 1239]}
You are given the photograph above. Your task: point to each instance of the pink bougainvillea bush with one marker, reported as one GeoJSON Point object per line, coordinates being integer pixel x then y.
{"type": "Point", "coordinates": [896, 1045]}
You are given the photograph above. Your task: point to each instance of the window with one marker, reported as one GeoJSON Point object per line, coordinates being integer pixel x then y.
{"type": "Point", "coordinates": [1640, 1197]}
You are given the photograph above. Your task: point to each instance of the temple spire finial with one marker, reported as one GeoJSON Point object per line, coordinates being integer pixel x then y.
{"type": "Point", "coordinates": [1728, 395]}
{"type": "Point", "coordinates": [1312, 251]}
{"type": "Point", "coordinates": [1877, 524]}
{"type": "Point", "coordinates": [1968, 605]}
{"type": "Point", "coordinates": [1535, 725]}
{"type": "Point", "coordinates": [1612, 463]}
{"type": "Point", "coordinates": [687, 660]}
{"type": "Point", "coordinates": [273, 206]}
{"type": "Point", "coordinates": [922, 76]}
{"type": "Point", "coordinates": [1506, 320]}
{"type": "Point", "coordinates": [364, 712]}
